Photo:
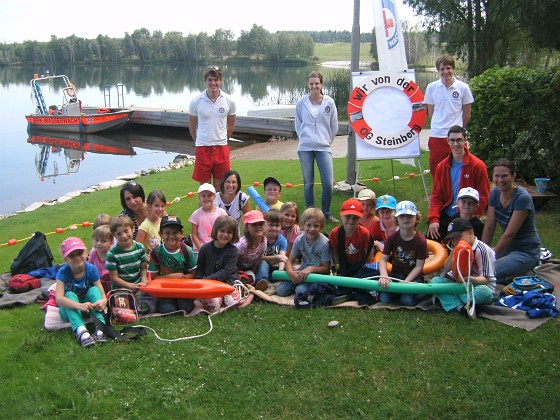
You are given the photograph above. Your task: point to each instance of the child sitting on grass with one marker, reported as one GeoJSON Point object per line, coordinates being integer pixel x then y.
{"type": "Point", "coordinates": [368, 200]}
{"type": "Point", "coordinates": [148, 231]}
{"type": "Point", "coordinates": [217, 260]}
{"type": "Point", "coordinates": [290, 224]}
{"type": "Point", "coordinates": [202, 219]}
{"type": "Point", "coordinates": [172, 259]}
{"type": "Point", "coordinates": [251, 247]}
{"type": "Point", "coordinates": [127, 263]}
{"type": "Point", "coordinates": [78, 290]}
{"type": "Point", "coordinates": [274, 256]}
{"type": "Point", "coordinates": [313, 249]}
{"type": "Point", "coordinates": [102, 239]}
{"type": "Point", "coordinates": [467, 202]}
{"type": "Point", "coordinates": [408, 250]}
{"type": "Point", "coordinates": [272, 192]}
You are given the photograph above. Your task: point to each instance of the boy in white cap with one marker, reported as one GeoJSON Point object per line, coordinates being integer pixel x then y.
{"type": "Point", "coordinates": [368, 200]}
{"type": "Point", "coordinates": [204, 217]}
{"type": "Point", "coordinates": [467, 202]}
{"type": "Point", "coordinates": [408, 249]}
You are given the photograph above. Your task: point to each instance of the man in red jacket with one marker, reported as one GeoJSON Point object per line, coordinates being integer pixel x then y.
{"type": "Point", "coordinates": [461, 169]}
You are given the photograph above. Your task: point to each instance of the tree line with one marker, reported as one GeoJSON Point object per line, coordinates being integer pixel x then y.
{"type": "Point", "coordinates": [173, 47]}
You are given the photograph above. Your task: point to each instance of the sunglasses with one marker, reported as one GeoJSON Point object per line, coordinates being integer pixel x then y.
{"type": "Point", "coordinates": [128, 184]}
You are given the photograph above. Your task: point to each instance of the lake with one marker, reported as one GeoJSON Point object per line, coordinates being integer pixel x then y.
{"type": "Point", "coordinates": [36, 168]}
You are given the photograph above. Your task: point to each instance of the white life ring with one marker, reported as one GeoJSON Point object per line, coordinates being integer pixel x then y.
{"type": "Point", "coordinates": [377, 138]}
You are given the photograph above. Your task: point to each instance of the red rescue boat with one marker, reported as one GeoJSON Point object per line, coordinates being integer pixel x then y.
{"type": "Point", "coordinates": [165, 287]}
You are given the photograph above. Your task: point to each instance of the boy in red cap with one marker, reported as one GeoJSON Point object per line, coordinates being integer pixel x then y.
{"type": "Point", "coordinates": [351, 243]}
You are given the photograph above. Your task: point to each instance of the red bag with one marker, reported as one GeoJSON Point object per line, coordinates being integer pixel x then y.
{"type": "Point", "coordinates": [21, 283]}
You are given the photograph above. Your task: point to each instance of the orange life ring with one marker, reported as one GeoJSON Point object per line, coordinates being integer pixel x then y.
{"type": "Point", "coordinates": [70, 90]}
{"type": "Point", "coordinates": [165, 287]}
{"type": "Point", "coordinates": [377, 258]}
{"type": "Point", "coordinates": [462, 259]}
{"type": "Point", "coordinates": [438, 255]}
{"type": "Point", "coordinates": [436, 260]}
{"type": "Point", "coordinates": [374, 137]}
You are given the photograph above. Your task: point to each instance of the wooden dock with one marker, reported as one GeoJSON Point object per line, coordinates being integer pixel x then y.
{"type": "Point", "coordinates": [244, 126]}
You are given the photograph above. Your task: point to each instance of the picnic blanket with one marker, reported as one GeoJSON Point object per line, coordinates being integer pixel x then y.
{"type": "Point", "coordinates": [512, 317]}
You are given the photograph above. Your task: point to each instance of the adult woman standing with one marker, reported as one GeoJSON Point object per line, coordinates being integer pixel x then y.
{"type": "Point", "coordinates": [133, 201]}
{"type": "Point", "coordinates": [511, 207]}
{"type": "Point", "coordinates": [316, 126]}
{"type": "Point", "coordinates": [230, 198]}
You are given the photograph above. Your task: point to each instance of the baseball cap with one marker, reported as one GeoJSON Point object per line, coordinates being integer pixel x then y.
{"type": "Point", "coordinates": [386, 202]}
{"type": "Point", "coordinates": [455, 228]}
{"type": "Point", "coordinates": [406, 207]}
{"type": "Point", "coordinates": [468, 192]}
{"type": "Point", "coordinates": [207, 187]}
{"type": "Point", "coordinates": [271, 180]}
{"type": "Point", "coordinates": [71, 244]}
{"type": "Point", "coordinates": [170, 221]}
{"type": "Point", "coordinates": [352, 206]}
{"type": "Point", "coordinates": [366, 194]}
{"type": "Point", "coordinates": [253, 216]}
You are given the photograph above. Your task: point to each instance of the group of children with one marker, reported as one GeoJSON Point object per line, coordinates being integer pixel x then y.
{"type": "Point", "coordinates": [271, 240]}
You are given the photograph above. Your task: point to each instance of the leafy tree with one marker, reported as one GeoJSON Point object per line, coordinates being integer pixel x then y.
{"type": "Point", "coordinates": [516, 116]}
{"type": "Point", "coordinates": [222, 43]}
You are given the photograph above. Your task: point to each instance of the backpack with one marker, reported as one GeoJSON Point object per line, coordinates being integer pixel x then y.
{"type": "Point", "coordinates": [35, 254]}
{"type": "Point", "coordinates": [122, 307]}
{"type": "Point", "coordinates": [154, 254]}
{"type": "Point", "coordinates": [532, 283]}
{"type": "Point", "coordinates": [21, 283]}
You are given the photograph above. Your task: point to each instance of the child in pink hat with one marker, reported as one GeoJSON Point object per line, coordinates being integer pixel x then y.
{"type": "Point", "coordinates": [78, 290]}
{"type": "Point", "coordinates": [251, 247]}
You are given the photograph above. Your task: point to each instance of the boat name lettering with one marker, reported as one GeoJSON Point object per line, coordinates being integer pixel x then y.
{"type": "Point", "coordinates": [56, 120]}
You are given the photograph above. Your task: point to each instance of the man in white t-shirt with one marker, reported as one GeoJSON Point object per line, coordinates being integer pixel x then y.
{"type": "Point", "coordinates": [449, 103]}
{"type": "Point", "coordinates": [211, 124]}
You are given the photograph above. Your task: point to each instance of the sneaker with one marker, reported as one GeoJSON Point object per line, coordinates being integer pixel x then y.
{"type": "Point", "coordinates": [332, 219]}
{"type": "Point", "coordinates": [464, 312]}
{"type": "Point", "coordinates": [85, 339]}
{"type": "Point", "coordinates": [100, 337]}
{"type": "Point", "coordinates": [261, 285]}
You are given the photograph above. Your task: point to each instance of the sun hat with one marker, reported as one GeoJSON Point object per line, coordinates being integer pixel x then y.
{"type": "Point", "coordinates": [366, 194]}
{"type": "Point", "coordinates": [170, 221]}
{"type": "Point", "coordinates": [468, 192]}
{"type": "Point", "coordinates": [207, 187]}
{"type": "Point", "coordinates": [455, 228]}
{"type": "Point", "coordinates": [71, 244]}
{"type": "Point", "coordinates": [253, 216]}
{"type": "Point", "coordinates": [406, 207]}
{"type": "Point", "coordinates": [386, 202]}
{"type": "Point", "coordinates": [352, 206]}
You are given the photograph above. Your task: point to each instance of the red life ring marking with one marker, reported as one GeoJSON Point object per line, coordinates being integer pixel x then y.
{"type": "Point", "coordinates": [375, 137]}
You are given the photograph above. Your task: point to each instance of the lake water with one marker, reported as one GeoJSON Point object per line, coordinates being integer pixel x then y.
{"type": "Point", "coordinates": [36, 168]}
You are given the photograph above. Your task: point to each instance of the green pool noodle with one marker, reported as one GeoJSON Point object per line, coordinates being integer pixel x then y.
{"type": "Point", "coordinates": [394, 286]}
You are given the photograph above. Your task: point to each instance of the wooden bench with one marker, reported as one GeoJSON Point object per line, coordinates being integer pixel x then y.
{"type": "Point", "coordinates": [539, 198]}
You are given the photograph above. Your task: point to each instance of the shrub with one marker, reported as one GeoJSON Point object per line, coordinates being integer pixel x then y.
{"type": "Point", "coordinates": [517, 115]}
{"type": "Point", "coordinates": [337, 85]}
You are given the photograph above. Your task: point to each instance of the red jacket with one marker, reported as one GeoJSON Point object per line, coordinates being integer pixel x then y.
{"type": "Point", "coordinates": [473, 174]}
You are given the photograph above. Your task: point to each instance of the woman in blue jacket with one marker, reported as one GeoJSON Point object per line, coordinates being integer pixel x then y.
{"type": "Point", "coordinates": [316, 126]}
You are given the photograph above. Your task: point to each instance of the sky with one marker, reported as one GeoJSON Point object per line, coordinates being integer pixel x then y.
{"type": "Point", "coordinates": [22, 20]}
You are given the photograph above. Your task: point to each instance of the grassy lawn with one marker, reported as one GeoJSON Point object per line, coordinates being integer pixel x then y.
{"type": "Point", "coordinates": [268, 361]}
{"type": "Point", "coordinates": [341, 52]}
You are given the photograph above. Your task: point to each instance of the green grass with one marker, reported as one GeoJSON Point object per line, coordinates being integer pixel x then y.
{"type": "Point", "coordinates": [270, 361]}
{"type": "Point", "coordinates": [341, 52]}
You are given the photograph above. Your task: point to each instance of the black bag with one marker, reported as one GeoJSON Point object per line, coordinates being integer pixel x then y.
{"type": "Point", "coordinates": [35, 254]}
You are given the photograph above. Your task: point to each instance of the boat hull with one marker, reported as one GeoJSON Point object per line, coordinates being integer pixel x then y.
{"type": "Point", "coordinates": [85, 123]}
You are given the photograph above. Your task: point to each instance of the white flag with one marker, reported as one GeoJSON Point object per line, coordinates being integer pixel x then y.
{"type": "Point", "coordinates": [388, 33]}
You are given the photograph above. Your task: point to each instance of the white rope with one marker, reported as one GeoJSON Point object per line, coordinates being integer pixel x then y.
{"type": "Point", "coordinates": [470, 305]}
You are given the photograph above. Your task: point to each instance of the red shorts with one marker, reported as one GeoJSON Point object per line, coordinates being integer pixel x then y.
{"type": "Point", "coordinates": [210, 161]}
{"type": "Point", "coordinates": [439, 150]}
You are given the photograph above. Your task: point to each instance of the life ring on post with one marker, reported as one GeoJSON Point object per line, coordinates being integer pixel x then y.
{"type": "Point", "coordinates": [462, 259]}
{"type": "Point", "coordinates": [438, 255]}
{"type": "Point", "coordinates": [70, 90]}
{"type": "Point", "coordinates": [377, 138]}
